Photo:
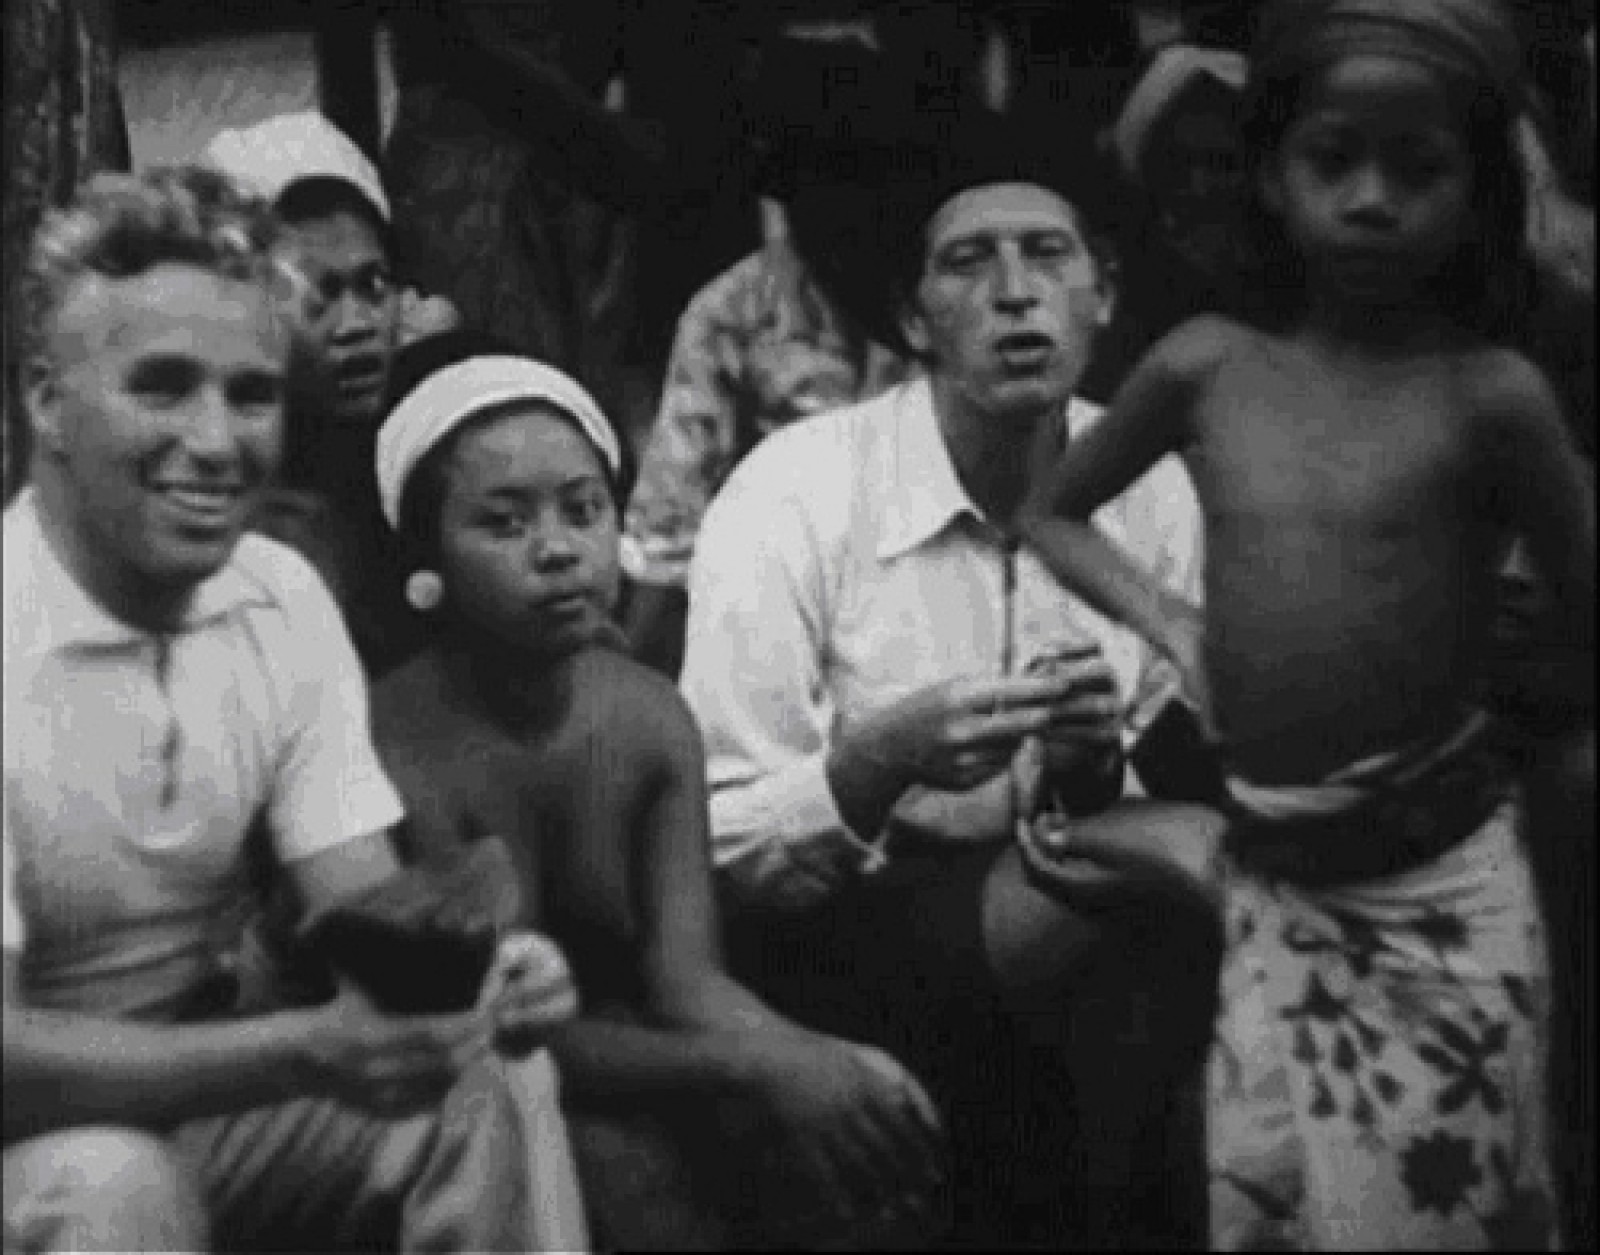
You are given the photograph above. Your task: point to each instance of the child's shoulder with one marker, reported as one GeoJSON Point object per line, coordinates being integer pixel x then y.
{"type": "Point", "coordinates": [1192, 351]}
{"type": "Point", "coordinates": [1498, 377]}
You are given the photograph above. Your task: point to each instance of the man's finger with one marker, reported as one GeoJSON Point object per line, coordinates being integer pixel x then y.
{"type": "Point", "coordinates": [840, 1175]}
{"type": "Point", "coordinates": [1003, 727]}
{"type": "Point", "coordinates": [1006, 692]}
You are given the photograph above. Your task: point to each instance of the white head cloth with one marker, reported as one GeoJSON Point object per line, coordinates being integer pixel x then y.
{"type": "Point", "coordinates": [449, 397]}
{"type": "Point", "coordinates": [271, 156]}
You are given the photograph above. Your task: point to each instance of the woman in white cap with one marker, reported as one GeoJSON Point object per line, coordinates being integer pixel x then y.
{"type": "Point", "coordinates": [702, 1117]}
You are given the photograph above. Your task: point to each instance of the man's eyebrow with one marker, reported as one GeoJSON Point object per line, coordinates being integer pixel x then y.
{"type": "Point", "coordinates": [253, 372]}
{"type": "Point", "coordinates": [979, 235]}
{"type": "Point", "coordinates": [507, 492]}
{"type": "Point", "coordinates": [161, 364]}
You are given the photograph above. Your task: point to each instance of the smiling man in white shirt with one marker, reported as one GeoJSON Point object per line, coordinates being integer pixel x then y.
{"type": "Point", "coordinates": [172, 686]}
{"type": "Point", "coordinates": [860, 647]}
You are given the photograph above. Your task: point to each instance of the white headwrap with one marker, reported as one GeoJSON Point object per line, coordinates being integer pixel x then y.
{"type": "Point", "coordinates": [271, 156]}
{"type": "Point", "coordinates": [449, 397]}
{"type": "Point", "coordinates": [1175, 69]}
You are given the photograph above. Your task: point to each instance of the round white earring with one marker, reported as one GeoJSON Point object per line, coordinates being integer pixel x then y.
{"type": "Point", "coordinates": [424, 590]}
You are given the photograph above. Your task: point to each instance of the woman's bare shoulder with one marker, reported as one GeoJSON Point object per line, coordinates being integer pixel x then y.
{"type": "Point", "coordinates": [410, 701]}
{"type": "Point", "coordinates": [422, 723]}
{"type": "Point", "coordinates": [636, 706]}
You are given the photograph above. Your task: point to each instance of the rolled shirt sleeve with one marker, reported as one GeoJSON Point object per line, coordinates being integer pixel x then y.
{"type": "Point", "coordinates": [753, 677]}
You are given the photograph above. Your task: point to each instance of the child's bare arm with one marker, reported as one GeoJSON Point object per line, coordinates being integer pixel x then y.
{"type": "Point", "coordinates": [1543, 490]}
{"type": "Point", "coordinates": [1149, 419]}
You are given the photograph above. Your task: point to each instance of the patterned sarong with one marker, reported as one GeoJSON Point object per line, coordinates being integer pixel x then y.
{"type": "Point", "coordinates": [1378, 1069]}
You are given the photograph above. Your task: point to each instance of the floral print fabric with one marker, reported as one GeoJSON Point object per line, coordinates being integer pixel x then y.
{"type": "Point", "coordinates": [757, 348]}
{"type": "Point", "coordinates": [1377, 1075]}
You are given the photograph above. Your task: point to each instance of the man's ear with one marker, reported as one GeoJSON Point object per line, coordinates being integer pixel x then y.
{"type": "Point", "coordinates": [913, 329]}
{"type": "Point", "coordinates": [41, 398]}
{"type": "Point", "coordinates": [1108, 274]}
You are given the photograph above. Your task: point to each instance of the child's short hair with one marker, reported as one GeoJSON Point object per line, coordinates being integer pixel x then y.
{"type": "Point", "coordinates": [419, 494]}
{"type": "Point", "coordinates": [1485, 284]}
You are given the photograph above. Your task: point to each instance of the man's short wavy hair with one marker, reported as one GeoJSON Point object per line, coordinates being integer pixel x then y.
{"type": "Point", "coordinates": [122, 225]}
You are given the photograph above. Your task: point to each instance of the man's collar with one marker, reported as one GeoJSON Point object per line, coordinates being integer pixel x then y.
{"type": "Point", "coordinates": [928, 495]}
{"type": "Point", "coordinates": [76, 619]}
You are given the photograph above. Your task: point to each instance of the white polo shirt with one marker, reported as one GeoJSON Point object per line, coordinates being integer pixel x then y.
{"type": "Point", "coordinates": [135, 766]}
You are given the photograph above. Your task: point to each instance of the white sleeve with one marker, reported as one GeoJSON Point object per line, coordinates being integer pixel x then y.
{"type": "Point", "coordinates": [330, 786]}
{"type": "Point", "coordinates": [752, 675]}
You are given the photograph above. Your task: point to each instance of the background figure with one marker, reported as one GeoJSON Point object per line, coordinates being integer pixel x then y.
{"type": "Point", "coordinates": [1180, 155]}
{"type": "Point", "coordinates": [516, 180]}
{"type": "Point", "coordinates": [1070, 64]}
{"type": "Point", "coordinates": [63, 122]}
{"type": "Point", "coordinates": [785, 333]}
{"type": "Point", "coordinates": [348, 318]}
{"type": "Point", "coordinates": [1561, 77]}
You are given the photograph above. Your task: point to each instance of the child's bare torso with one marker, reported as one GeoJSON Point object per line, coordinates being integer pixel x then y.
{"type": "Point", "coordinates": [1349, 555]}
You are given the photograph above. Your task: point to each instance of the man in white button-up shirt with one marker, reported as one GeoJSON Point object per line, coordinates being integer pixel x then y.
{"type": "Point", "coordinates": [860, 635]}
{"type": "Point", "coordinates": [171, 683]}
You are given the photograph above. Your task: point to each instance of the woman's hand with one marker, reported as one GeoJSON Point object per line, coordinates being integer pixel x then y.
{"type": "Point", "coordinates": [858, 1128]}
{"type": "Point", "coordinates": [529, 991]}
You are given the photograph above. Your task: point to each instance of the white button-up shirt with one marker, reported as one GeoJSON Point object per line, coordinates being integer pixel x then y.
{"type": "Point", "coordinates": [843, 567]}
{"type": "Point", "coordinates": [135, 766]}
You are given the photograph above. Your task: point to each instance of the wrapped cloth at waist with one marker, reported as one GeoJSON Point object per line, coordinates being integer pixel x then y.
{"type": "Point", "coordinates": [1382, 815]}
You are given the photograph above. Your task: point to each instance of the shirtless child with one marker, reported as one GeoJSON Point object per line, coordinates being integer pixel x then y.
{"type": "Point", "coordinates": [701, 1117]}
{"type": "Point", "coordinates": [1363, 461]}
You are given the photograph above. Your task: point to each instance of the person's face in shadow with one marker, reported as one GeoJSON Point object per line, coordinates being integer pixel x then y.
{"type": "Point", "coordinates": [347, 323]}
{"type": "Point", "coordinates": [1197, 177]}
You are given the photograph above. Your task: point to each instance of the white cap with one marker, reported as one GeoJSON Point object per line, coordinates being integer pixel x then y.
{"type": "Point", "coordinates": [449, 397]}
{"type": "Point", "coordinates": [1175, 69]}
{"type": "Point", "coordinates": [269, 157]}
